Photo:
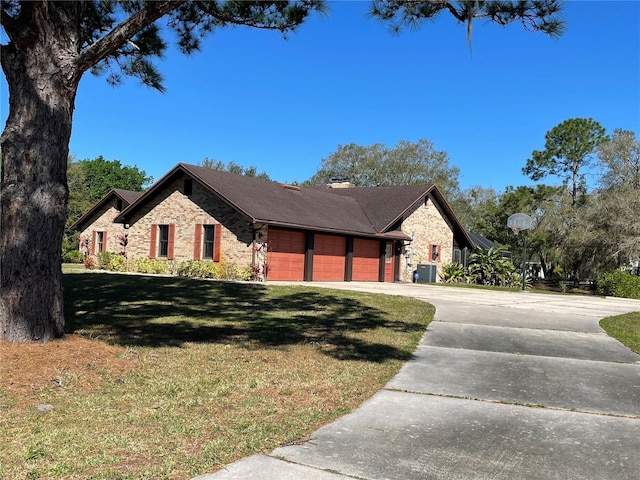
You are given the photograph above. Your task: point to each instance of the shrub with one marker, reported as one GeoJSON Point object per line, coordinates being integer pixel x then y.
{"type": "Point", "coordinates": [118, 263]}
{"type": "Point", "coordinates": [104, 259]}
{"type": "Point", "coordinates": [619, 284]}
{"type": "Point", "coordinates": [150, 265]}
{"type": "Point", "coordinates": [73, 256]}
{"type": "Point", "coordinates": [453, 273]}
{"type": "Point", "coordinates": [90, 262]}
{"type": "Point", "coordinates": [215, 270]}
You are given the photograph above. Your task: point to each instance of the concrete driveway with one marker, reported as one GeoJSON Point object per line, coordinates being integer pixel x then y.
{"type": "Point", "coordinates": [502, 386]}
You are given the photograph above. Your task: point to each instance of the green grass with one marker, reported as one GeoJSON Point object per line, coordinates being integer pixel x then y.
{"type": "Point", "coordinates": [73, 268]}
{"type": "Point", "coordinates": [624, 328]}
{"type": "Point", "coordinates": [203, 373]}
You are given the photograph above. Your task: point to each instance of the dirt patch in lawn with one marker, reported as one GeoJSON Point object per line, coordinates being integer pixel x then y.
{"type": "Point", "coordinates": [29, 368]}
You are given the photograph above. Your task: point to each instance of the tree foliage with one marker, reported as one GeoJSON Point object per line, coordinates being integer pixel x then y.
{"type": "Point", "coordinates": [406, 163]}
{"type": "Point", "coordinates": [567, 153]}
{"type": "Point", "coordinates": [618, 198]}
{"type": "Point", "coordinates": [543, 16]}
{"type": "Point", "coordinates": [101, 175]}
{"type": "Point", "coordinates": [234, 168]}
{"type": "Point", "coordinates": [619, 159]}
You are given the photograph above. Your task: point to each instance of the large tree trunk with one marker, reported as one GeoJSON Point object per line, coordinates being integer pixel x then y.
{"type": "Point", "coordinates": [35, 145]}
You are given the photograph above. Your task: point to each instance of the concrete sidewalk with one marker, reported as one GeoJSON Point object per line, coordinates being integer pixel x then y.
{"type": "Point", "coordinates": [502, 386]}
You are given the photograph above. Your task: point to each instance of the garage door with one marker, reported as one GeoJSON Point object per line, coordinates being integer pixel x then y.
{"type": "Point", "coordinates": [285, 254]}
{"type": "Point", "coordinates": [366, 260]}
{"type": "Point", "coordinates": [329, 258]}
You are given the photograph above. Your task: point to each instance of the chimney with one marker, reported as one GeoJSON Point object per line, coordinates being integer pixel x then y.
{"type": "Point", "coordinates": [339, 183]}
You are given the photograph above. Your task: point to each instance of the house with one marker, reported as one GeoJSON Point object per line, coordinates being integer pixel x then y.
{"type": "Point", "coordinates": [98, 229]}
{"type": "Point", "coordinates": [287, 232]}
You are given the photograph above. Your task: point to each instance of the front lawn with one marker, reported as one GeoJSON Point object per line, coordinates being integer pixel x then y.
{"type": "Point", "coordinates": [624, 328]}
{"type": "Point", "coordinates": [171, 378]}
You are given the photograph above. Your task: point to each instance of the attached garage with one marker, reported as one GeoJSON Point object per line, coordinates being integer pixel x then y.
{"type": "Point", "coordinates": [366, 260]}
{"type": "Point", "coordinates": [285, 254]}
{"type": "Point", "coordinates": [329, 255]}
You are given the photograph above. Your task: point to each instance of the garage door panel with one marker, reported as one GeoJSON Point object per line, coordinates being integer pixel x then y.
{"type": "Point", "coordinates": [366, 260]}
{"type": "Point", "coordinates": [329, 258]}
{"type": "Point", "coordinates": [285, 254]}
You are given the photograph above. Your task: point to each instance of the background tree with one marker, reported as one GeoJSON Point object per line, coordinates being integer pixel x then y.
{"type": "Point", "coordinates": [51, 45]}
{"type": "Point", "coordinates": [618, 202]}
{"type": "Point", "coordinates": [567, 153]}
{"type": "Point", "coordinates": [234, 168]}
{"type": "Point", "coordinates": [473, 206]}
{"type": "Point", "coordinates": [406, 163]}
{"type": "Point", "coordinates": [539, 203]}
{"type": "Point", "coordinates": [101, 175]}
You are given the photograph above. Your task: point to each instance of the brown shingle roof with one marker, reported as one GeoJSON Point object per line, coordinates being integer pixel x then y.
{"type": "Point", "coordinates": [384, 205]}
{"type": "Point", "coordinates": [277, 204]}
{"type": "Point", "coordinates": [127, 196]}
{"type": "Point", "coordinates": [361, 211]}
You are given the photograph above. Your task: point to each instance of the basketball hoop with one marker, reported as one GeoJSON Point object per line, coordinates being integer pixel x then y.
{"type": "Point", "coordinates": [519, 222]}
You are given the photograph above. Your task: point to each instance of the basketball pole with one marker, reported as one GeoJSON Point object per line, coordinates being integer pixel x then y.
{"type": "Point", "coordinates": [524, 260]}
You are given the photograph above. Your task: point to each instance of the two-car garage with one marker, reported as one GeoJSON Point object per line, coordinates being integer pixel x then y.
{"type": "Point", "coordinates": [300, 255]}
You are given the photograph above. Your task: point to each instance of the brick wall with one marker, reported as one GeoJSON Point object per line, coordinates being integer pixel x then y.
{"type": "Point", "coordinates": [428, 226]}
{"type": "Point", "coordinates": [104, 223]}
{"type": "Point", "coordinates": [172, 206]}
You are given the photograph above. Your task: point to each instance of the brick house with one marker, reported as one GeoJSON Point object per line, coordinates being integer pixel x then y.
{"type": "Point", "coordinates": [97, 227]}
{"type": "Point", "coordinates": [327, 233]}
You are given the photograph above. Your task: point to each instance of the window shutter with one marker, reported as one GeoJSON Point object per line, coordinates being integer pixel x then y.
{"type": "Point", "coordinates": [171, 243]}
{"type": "Point", "coordinates": [154, 241]}
{"type": "Point", "coordinates": [93, 243]}
{"type": "Point", "coordinates": [217, 237]}
{"type": "Point", "coordinates": [439, 259]}
{"type": "Point", "coordinates": [197, 242]}
{"type": "Point", "coordinates": [104, 241]}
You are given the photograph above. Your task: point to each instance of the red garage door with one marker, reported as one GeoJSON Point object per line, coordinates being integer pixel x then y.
{"type": "Point", "coordinates": [285, 254]}
{"type": "Point", "coordinates": [329, 258]}
{"type": "Point", "coordinates": [366, 260]}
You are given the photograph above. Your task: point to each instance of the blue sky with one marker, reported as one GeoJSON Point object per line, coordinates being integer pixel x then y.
{"type": "Point", "coordinates": [253, 98]}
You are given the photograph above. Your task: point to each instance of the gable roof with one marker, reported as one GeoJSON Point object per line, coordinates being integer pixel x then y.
{"type": "Point", "coordinates": [387, 205]}
{"type": "Point", "coordinates": [127, 196]}
{"type": "Point", "coordinates": [359, 211]}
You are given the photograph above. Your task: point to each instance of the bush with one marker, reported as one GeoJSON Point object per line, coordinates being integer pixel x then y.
{"type": "Point", "coordinates": [150, 265]}
{"type": "Point", "coordinates": [619, 284]}
{"type": "Point", "coordinates": [73, 256]}
{"type": "Point", "coordinates": [454, 273]}
{"type": "Point", "coordinates": [117, 263]}
{"type": "Point", "coordinates": [104, 259]}
{"type": "Point", "coordinates": [90, 262]}
{"type": "Point", "coordinates": [215, 270]}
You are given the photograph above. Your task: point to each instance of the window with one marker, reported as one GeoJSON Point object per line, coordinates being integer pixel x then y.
{"type": "Point", "coordinates": [188, 186]}
{"type": "Point", "coordinates": [457, 255]}
{"type": "Point", "coordinates": [207, 241]}
{"type": "Point", "coordinates": [435, 252]}
{"type": "Point", "coordinates": [100, 242]}
{"type": "Point", "coordinates": [388, 253]}
{"type": "Point", "coordinates": [163, 240]}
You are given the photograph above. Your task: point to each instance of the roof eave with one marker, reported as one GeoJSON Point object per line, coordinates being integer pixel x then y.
{"type": "Point", "coordinates": [97, 206]}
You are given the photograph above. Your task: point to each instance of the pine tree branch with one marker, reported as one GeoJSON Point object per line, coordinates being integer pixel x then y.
{"type": "Point", "coordinates": [123, 33]}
